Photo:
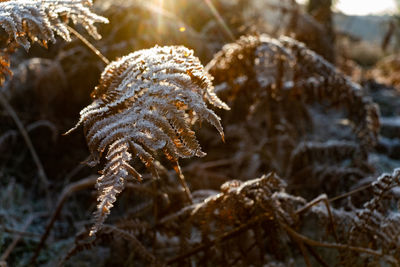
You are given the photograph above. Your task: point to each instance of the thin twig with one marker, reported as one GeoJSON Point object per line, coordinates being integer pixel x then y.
{"type": "Point", "coordinates": [75, 171]}
{"type": "Point", "coordinates": [69, 190]}
{"type": "Point", "coordinates": [18, 232]}
{"type": "Point", "coordinates": [220, 238]}
{"type": "Point", "coordinates": [137, 245]}
{"type": "Point", "coordinates": [89, 45]}
{"type": "Point", "coordinates": [220, 20]}
{"type": "Point", "coordinates": [182, 180]}
{"type": "Point", "coordinates": [155, 185]}
{"type": "Point", "coordinates": [325, 200]}
{"type": "Point", "coordinates": [316, 256]}
{"type": "Point", "coordinates": [314, 243]}
{"type": "Point", "coordinates": [303, 250]}
{"type": "Point", "coordinates": [29, 128]}
{"type": "Point", "coordinates": [21, 128]}
{"type": "Point", "coordinates": [11, 247]}
{"type": "Point", "coordinates": [350, 193]}
{"type": "Point", "coordinates": [235, 261]}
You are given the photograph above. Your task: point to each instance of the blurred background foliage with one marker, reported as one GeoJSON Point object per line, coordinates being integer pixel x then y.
{"type": "Point", "coordinates": [50, 86]}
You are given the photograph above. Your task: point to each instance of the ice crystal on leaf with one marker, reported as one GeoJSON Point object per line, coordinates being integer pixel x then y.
{"type": "Point", "coordinates": [146, 102]}
{"type": "Point", "coordinates": [29, 20]}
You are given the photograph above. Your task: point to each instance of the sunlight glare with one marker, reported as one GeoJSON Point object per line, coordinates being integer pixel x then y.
{"type": "Point", "coordinates": [363, 7]}
{"type": "Point", "coordinates": [220, 20]}
{"type": "Point", "coordinates": [160, 4]}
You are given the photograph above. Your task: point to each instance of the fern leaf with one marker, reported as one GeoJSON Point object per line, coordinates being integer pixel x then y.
{"type": "Point", "coordinates": [144, 104]}
{"type": "Point", "coordinates": [287, 70]}
{"type": "Point", "coordinates": [376, 223]}
{"type": "Point", "coordinates": [4, 67]}
{"type": "Point", "coordinates": [29, 20]}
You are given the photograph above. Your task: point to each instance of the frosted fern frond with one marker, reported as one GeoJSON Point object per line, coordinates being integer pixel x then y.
{"type": "Point", "coordinates": [376, 224]}
{"type": "Point", "coordinates": [38, 20]}
{"type": "Point", "coordinates": [326, 83]}
{"type": "Point", "coordinates": [382, 190]}
{"type": "Point", "coordinates": [286, 70]}
{"type": "Point", "coordinates": [146, 102]}
{"type": "Point", "coordinates": [259, 206]}
{"type": "Point", "coordinates": [333, 152]}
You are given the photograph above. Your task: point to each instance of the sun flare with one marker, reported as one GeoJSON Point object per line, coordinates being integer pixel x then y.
{"type": "Point", "coordinates": [363, 7]}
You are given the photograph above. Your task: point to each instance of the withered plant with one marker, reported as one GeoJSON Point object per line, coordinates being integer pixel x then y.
{"type": "Point", "coordinates": [36, 21]}
{"type": "Point", "coordinates": [291, 119]}
{"type": "Point", "coordinates": [277, 87]}
{"type": "Point", "coordinates": [144, 103]}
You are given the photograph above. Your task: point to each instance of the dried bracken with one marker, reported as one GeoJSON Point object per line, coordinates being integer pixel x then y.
{"type": "Point", "coordinates": [36, 21]}
{"type": "Point", "coordinates": [296, 181]}
{"type": "Point", "coordinates": [321, 82]}
{"type": "Point", "coordinates": [284, 72]}
{"type": "Point", "coordinates": [4, 67]}
{"type": "Point", "coordinates": [109, 234]}
{"type": "Point", "coordinates": [257, 221]}
{"type": "Point", "coordinates": [238, 225]}
{"type": "Point", "coordinates": [145, 103]}
{"type": "Point", "coordinates": [313, 28]}
{"type": "Point", "coordinates": [28, 21]}
{"type": "Point", "coordinates": [332, 166]}
{"type": "Point", "coordinates": [372, 227]}
{"type": "Point", "coordinates": [376, 224]}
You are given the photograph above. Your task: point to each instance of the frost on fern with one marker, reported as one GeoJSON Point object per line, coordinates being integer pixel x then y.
{"type": "Point", "coordinates": [285, 71]}
{"type": "Point", "coordinates": [145, 103]}
{"type": "Point", "coordinates": [377, 223]}
{"type": "Point", "coordinates": [25, 20]}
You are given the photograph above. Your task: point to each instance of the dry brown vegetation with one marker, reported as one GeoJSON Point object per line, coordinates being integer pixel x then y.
{"type": "Point", "coordinates": [296, 179]}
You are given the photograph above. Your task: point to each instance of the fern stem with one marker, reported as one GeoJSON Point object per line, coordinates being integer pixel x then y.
{"type": "Point", "coordinates": [89, 45]}
{"type": "Point", "coordinates": [350, 193]}
{"type": "Point", "coordinates": [220, 20]}
{"type": "Point", "coordinates": [322, 198]}
{"type": "Point", "coordinates": [66, 193]}
{"type": "Point", "coordinates": [314, 243]}
{"type": "Point", "coordinates": [221, 238]}
{"type": "Point", "coordinates": [24, 133]}
{"type": "Point", "coordinates": [182, 180]}
{"type": "Point", "coordinates": [137, 245]}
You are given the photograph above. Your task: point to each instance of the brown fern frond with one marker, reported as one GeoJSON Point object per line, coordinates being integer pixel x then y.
{"type": "Point", "coordinates": [241, 200]}
{"type": "Point", "coordinates": [373, 226]}
{"type": "Point", "coordinates": [331, 152]}
{"type": "Point", "coordinates": [146, 102]}
{"type": "Point", "coordinates": [330, 166]}
{"type": "Point", "coordinates": [328, 84]}
{"type": "Point", "coordinates": [5, 52]}
{"type": "Point", "coordinates": [28, 21]}
{"type": "Point", "coordinates": [233, 219]}
{"type": "Point", "coordinates": [377, 222]}
{"type": "Point", "coordinates": [4, 67]}
{"type": "Point", "coordinates": [281, 71]}
{"type": "Point", "coordinates": [81, 243]}
{"type": "Point", "coordinates": [225, 224]}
